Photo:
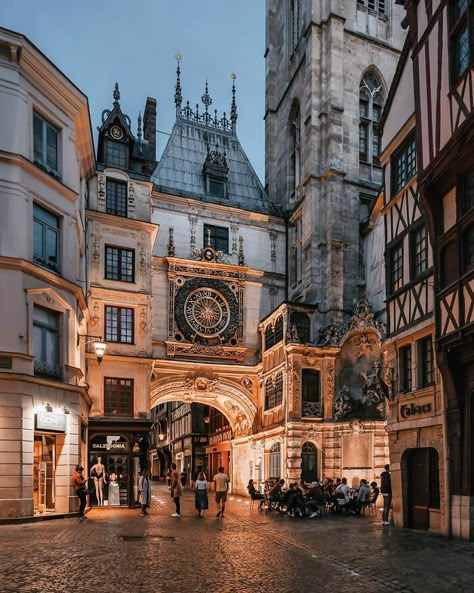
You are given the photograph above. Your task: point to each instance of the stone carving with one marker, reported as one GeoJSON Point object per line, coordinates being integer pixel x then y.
{"type": "Point", "coordinates": [294, 386]}
{"type": "Point", "coordinates": [171, 247]}
{"type": "Point", "coordinates": [330, 380]}
{"type": "Point", "coordinates": [241, 425]}
{"type": "Point", "coordinates": [175, 348]}
{"type": "Point", "coordinates": [310, 359]}
{"type": "Point", "coordinates": [142, 257]}
{"type": "Point", "coordinates": [247, 383]}
{"type": "Point", "coordinates": [357, 426]}
{"type": "Point", "coordinates": [371, 403]}
{"type": "Point", "coordinates": [143, 323]}
{"type": "Point", "coordinates": [201, 384]}
{"type": "Point", "coordinates": [273, 237]}
{"type": "Point", "coordinates": [312, 433]}
{"type": "Point", "coordinates": [131, 199]}
{"type": "Point", "coordinates": [101, 192]}
{"type": "Point", "coordinates": [241, 251]}
{"type": "Point", "coordinates": [361, 320]}
{"type": "Point", "coordinates": [364, 344]}
{"type": "Point", "coordinates": [95, 251]}
{"type": "Point", "coordinates": [292, 334]}
{"type": "Point", "coordinates": [192, 224]}
{"type": "Point", "coordinates": [234, 230]}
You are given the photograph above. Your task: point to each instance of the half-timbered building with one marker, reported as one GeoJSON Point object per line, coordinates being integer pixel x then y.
{"type": "Point", "coordinates": [414, 421]}
{"type": "Point", "coordinates": [442, 37]}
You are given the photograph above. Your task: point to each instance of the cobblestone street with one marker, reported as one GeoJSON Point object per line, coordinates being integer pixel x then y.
{"type": "Point", "coordinates": [247, 551]}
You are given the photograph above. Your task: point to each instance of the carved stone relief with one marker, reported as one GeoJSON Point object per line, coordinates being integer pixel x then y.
{"type": "Point", "coordinates": [101, 192]}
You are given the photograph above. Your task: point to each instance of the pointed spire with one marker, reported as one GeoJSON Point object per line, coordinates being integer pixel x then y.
{"type": "Point", "coordinates": [116, 95]}
{"type": "Point", "coordinates": [178, 96]}
{"type": "Point", "coordinates": [233, 107]}
{"type": "Point", "coordinates": [139, 126]}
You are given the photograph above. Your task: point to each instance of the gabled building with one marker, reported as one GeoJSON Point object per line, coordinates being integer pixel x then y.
{"type": "Point", "coordinates": [443, 64]}
{"type": "Point", "coordinates": [46, 163]}
{"type": "Point", "coordinates": [416, 408]}
{"type": "Point", "coordinates": [120, 240]}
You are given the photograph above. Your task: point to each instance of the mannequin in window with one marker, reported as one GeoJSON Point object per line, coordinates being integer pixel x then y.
{"type": "Point", "coordinates": [98, 473]}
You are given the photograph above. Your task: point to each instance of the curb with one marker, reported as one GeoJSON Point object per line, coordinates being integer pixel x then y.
{"type": "Point", "coordinates": [52, 517]}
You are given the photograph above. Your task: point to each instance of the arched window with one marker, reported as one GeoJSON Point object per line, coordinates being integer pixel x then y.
{"type": "Point", "coordinates": [275, 462]}
{"type": "Point", "coordinates": [309, 463]}
{"type": "Point", "coordinates": [370, 111]}
{"type": "Point", "coordinates": [311, 400]}
{"type": "Point", "coordinates": [279, 330]}
{"type": "Point", "coordinates": [301, 322]}
{"type": "Point", "coordinates": [269, 337]}
{"type": "Point", "coordinates": [279, 389]}
{"type": "Point", "coordinates": [295, 150]}
{"type": "Point", "coordinates": [269, 394]}
{"type": "Point", "coordinates": [294, 24]}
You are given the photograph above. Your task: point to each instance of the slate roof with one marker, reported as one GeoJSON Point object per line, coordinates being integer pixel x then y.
{"type": "Point", "coordinates": [180, 170]}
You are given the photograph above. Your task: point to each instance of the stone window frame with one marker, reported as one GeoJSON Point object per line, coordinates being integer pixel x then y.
{"type": "Point", "coordinates": [294, 139]}
{"type": "Point", "coordinates": [40, 153]}
{"type": "Point", "coordinates": [371, 101]}
{"type": "Point", "coordinates": [127, 326]}
{"type": "Point", "coordinates": [47, 227]}
{"type": "Point", "coordinates": [294, 25]}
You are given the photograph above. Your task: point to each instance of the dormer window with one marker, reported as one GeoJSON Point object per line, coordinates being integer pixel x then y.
{"type": "Point", "coordinates": [215, 172]}
{"type": "Point", "coordinates": [216, 187]}
{"type": "Point", "coordinates": [116, 154]}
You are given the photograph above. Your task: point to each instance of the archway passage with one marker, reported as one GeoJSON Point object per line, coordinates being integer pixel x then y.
{"type": "Point", "coordinates": [309, 463]}
{"type": "Point", "coordinates": [421, 486]}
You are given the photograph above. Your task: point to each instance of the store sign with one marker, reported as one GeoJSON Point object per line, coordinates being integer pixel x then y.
{"type": "Point", "coordinates": [413, 410]}
{"type": "Point", "coordinates": [114, 444]}
{"type": "Point", "coordinates": [50, 421]}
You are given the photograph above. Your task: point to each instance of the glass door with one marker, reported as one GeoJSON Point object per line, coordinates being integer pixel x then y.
{"type": "Point", "coordinates": [44, 470]}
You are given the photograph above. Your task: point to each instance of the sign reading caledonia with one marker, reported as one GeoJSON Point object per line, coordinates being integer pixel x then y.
{"type": "Point", "coordinates": [50, 421]}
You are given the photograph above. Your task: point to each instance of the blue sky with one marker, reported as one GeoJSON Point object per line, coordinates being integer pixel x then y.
{"type": "Point", "coordinates": [96, 43]}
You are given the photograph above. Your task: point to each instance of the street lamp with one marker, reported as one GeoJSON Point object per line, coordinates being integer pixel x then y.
{"type": "Point", "coordinates": [99, 346]}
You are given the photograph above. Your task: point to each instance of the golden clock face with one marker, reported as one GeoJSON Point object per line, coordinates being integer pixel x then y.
{"type": "Point", "coordinates": [116, 132]}
{"type": "Point", "coordinates": [207, 312]}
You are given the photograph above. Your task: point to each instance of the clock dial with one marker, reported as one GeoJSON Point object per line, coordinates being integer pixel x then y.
{"type": "Point", "coordinates": [116, 132]}
{"type": "Point", "coordinates": [205, 313]}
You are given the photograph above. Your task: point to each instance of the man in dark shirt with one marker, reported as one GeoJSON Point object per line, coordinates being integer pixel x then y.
{"type": "Point", "coordinates": [386, 489]}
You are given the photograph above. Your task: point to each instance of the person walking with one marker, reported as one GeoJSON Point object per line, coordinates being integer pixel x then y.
{"type": "Point", "coordinates": [176, 490]}
{"type": "Point", "coordinates": [386, 490]}
{"type": "Point", "coordinates": [79, 485]}
{"type": "Point", "coordinates": [184, 478]}
{"type": "Point", "coordinates": [145, 491]}
{"type": "Point", "coordinates": [201, 499]}
{"type": "Point", "coordinates": [221, 481]}
{"type": "Point", "coordinates": [168, 477]}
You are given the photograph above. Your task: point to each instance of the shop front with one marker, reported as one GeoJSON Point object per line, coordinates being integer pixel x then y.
{"type": "Point", "coordinates": [116, 457]}
{"type": "Point", "coordinates": [49, 436]}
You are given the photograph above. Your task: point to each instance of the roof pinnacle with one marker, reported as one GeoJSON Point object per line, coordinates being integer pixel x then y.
{"type": "Point", "coordinates": [233, 107]}
{"type": "Point", "coordinates": [178, 97]}
{"type": "Point", "coordinates": [116, 94]}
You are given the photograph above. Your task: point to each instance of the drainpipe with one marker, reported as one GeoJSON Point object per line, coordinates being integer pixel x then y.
{"type": "Point", "coordinates": [446, 460]}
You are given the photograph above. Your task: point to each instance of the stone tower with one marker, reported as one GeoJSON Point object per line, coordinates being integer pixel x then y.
{"type": "Point", "coordinates": [329, 65]}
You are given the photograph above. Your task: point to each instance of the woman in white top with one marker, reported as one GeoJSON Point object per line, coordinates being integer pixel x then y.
{"type": "Point", "coordinates": [200, 487]}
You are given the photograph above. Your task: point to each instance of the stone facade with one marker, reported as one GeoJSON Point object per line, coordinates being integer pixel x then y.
{"type": "Point", "coordinates": [46, 160]}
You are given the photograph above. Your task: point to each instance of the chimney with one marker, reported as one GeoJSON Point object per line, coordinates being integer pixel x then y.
{"type": "Point", "coordinates": [149, 133]}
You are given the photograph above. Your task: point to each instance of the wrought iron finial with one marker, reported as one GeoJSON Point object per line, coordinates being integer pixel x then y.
{"type": "Point", "coordinates": [139, 127]}
{"type": "Point", "coordinates": [233, 107]}
{"type": "Point", "coordinates": [171, 248]}
{"type": "Point", "coordinates": [206, 98]}
{"type": "Point", "coordinates": [116, 94]}
{"type": "Point", "coordinates": [178, 96]}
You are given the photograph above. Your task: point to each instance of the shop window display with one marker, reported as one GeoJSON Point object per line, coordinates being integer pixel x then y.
{"type": "Point", "coordinates": [109, 462]}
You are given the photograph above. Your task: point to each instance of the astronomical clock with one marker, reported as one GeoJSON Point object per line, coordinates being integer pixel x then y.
{"type": "Point", "coordinates": [205, 307]}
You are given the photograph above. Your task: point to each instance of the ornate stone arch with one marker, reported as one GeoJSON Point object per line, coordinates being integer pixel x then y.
{"type": "Point", "coordinates": [231, 400]}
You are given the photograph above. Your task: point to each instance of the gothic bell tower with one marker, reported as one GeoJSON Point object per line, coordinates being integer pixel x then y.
{"type": "Point", "coordinates": [329, 66]}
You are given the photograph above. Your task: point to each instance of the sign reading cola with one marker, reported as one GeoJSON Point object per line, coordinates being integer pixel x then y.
{"type": "Point", "coordinates": [415, 409]}
{"type": "Point", "coordinates": [50, 421]}
{"type": "Point", "coordinates": [111, 443]}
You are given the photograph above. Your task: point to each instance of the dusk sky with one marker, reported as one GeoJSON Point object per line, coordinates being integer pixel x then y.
{"type": "Point", "coordinates": [96, 43]}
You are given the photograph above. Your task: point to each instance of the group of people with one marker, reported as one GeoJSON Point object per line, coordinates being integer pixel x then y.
{"type": "Point", "coordinates": [201, 488]}
{"type": "Point", "coordinates": [309, 500]}
{"type": "Point", "coordinates": [305, 500]}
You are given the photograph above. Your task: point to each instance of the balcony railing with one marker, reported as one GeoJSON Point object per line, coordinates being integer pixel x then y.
{"type": "Point", "coordinates": [312, 409]}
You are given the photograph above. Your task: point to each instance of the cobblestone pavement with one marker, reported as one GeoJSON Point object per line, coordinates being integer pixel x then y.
{"type": "Point", "coordinates": [120, 551]}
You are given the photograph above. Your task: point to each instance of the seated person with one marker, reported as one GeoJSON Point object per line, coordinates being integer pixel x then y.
{"type": "Point", "coordinates": [314, 499]}
{"type": "Point", "coordinates": [375, 493]}
{"type": "Point", "coordinates": [363, 497]}
{"type": "Point", "coordinates": [342, 493]}
{"type": "Point", "coordinates": [254, 494]}
{"type": "Point", "coordinates": [295, 501]}
{"type": "Point", "coordinates": [275, 493]}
